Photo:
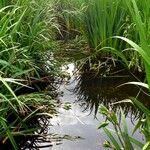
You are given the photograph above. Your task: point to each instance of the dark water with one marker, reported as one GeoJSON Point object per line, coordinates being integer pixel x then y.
{"type": "Point", "coordinates": [85, 93]}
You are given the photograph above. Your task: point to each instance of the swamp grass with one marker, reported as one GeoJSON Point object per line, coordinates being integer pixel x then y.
{"type": "Point", "coordinates": [114, 30]}
{"type": "Point", "coordinates": [25, 36]}
{"type": "Point", "coordinates": [140, 16]}
{"type": "Point", "coordinates": [98, 21]}
{"type": "Point", "coordinates": [120, 28]}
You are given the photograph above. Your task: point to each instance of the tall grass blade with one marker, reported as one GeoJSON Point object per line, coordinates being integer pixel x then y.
{"type": "Point", "coordinates": [10, 90]}
{"type": "Point", "coordinates": [141, 106]}
{"type": "Point", "coordinates": [112, 139]}
{"type": "Point", "coordinates": [2, 121]}
{"type": "Point", "coordinates": [125, 134]}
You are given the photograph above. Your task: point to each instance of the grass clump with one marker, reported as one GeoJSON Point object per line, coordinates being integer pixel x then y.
{"type": "Point", "coordinates": [139, 12]}
{"type": "Point", "coordinates": [25, 37]}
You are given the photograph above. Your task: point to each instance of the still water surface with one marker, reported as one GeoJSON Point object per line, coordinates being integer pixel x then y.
{"type": "Point", "coordinates": [85, 94]}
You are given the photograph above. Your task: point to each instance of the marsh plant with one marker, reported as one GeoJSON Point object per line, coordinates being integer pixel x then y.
{"type": "Point", "coordinates": [119, 135]}
{"type": "Point", "coordinates": [115, 30]}
{"type": "Point", "coordinates": [139, 12]}
{"type": "Point", "coordinates": [69, 18]}
{"type": "Point", "coordinates": [104, 19]}
{"type": "Point", "coordinates": [25, 35]}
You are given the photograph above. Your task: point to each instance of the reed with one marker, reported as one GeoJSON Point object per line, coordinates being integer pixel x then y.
{"type": "Point", "coordinates": [140, 15]}
{"type": "Point", "coordinates": [104, 19]}
{"type": "Point", "coordinates": [139, 12]}
{"type": "Point", "coordinates": [69, 18]}
{"type": "Point", "coordinates": [25, 36]}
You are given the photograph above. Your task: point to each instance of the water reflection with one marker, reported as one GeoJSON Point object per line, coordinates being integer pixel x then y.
{"type": "Point", "coordinates": [94, 90]}
{"type": "Point", "coordinates": [85, 93]}
{"type": "Point", "coordinates": [90, 91]}
{"type": "Point", "coordinates": [36, 136]}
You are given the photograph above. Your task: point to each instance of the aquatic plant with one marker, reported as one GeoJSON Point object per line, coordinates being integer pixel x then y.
{"type": "Point", "coordinates": [141, 21]}
{"type": "Point", "coordinates": [119, 137]}
{"type": "Point", "coordinates": [69, 18]}
{"type": "Point", "coordinates": [104, 19]}
{"type": "Point", "coordinates": [25, 36]}
{"type": "Point", "coordinates": [139, 12]}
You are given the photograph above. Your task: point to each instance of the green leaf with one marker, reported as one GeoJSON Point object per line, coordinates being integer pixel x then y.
{"type": "Point", "coordinates": [137, 48]}
{"type": "Point", "coordinates": [107, 144]}
{"type": "Point", "coordinates": [140, 106]}
{"type": "Point", "coordinates": [11, 91]}
{"type": "Point", "coordinates": [113, 117]}
{"type": "Point", "coordinates": [104, 124]}
{"type": "Point", "coordinates": [112, 139]}
{"type": "Point", "coordinates": [146, 146]}
{"type": "Point", "coordinates": [136, 142]}
{"type": "Point", "coordinates": [125, 134]}
{"type": "Point", "coordinates": [2, 121]}
{"type": "Point", "coordinates": [103, 110]}
{"type": "Point", "coordinates": [137, 126]}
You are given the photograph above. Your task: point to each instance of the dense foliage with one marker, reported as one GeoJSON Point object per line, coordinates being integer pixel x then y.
{"type": "Point", "coordinates": [112, 31]}
{"type": "Point", "coordinates": [116, 31]}
{"type": "Point", "coordinates": [25, 35]}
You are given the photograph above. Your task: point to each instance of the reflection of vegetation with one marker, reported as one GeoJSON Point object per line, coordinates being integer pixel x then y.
{"type": "Point", "coordinates": [27, 125]}
{"type": "Point", "coordinates": [95, 90]}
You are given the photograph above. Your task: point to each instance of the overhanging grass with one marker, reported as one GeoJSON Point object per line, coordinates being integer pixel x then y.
{"type": "Point", "coordinates": [26, 29]}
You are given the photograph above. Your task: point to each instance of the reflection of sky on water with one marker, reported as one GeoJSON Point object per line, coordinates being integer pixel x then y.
{"type": "Point", "coordinates": [76, 122]}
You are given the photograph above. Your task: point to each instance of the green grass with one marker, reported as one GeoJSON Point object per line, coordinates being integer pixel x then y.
{"type": "Point", "coordinates": [25, 36]}
{"type": "Point", "coordinates": [140, 17]}
{"type": "Point", "coordinates": [139, 13]}
{"type": "Point", "coordinates": [114, 29]}
{"type": "Point", "coordinates": [104, 19]}
{"type": "Point", "coordinates": [99, 21]}
{"type": "Point", "coordinates": [69, 18]}
{"type": "Point", "coordinates": [119, 137]}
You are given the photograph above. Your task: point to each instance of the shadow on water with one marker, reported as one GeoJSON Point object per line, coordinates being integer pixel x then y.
{"type": "Point", "coordinates": [109, 90]}
{"type": "Point", "coordinates": [85, 94]}
{"type": "Point", "coordinates": [85, 91]}
{"type": "Point", "coordinates": [36, 139]}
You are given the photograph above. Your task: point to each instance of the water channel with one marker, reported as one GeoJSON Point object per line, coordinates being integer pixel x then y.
{"type": "Point", "coordinates": [84, 95]}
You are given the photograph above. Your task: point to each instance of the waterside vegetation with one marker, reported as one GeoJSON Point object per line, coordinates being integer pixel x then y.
{"type": "Point", "coordinates": [25, 35]}
{"type": "Point", "coordinates": [116, 33]}
{"type": "Point", "coordinates": [100, 35]}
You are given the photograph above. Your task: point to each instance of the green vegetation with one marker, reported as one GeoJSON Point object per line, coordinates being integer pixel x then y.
{"type": "Point", "coordinates": [116, 32]}
{"type": "Point", "coordinates": [105, 33]}
{"type": "Point", "coordinates": [25, 35]}
{"type": "Point", "coordinates": [141, 20]}
{"type": "Point", "coordinates": [119, 136]}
